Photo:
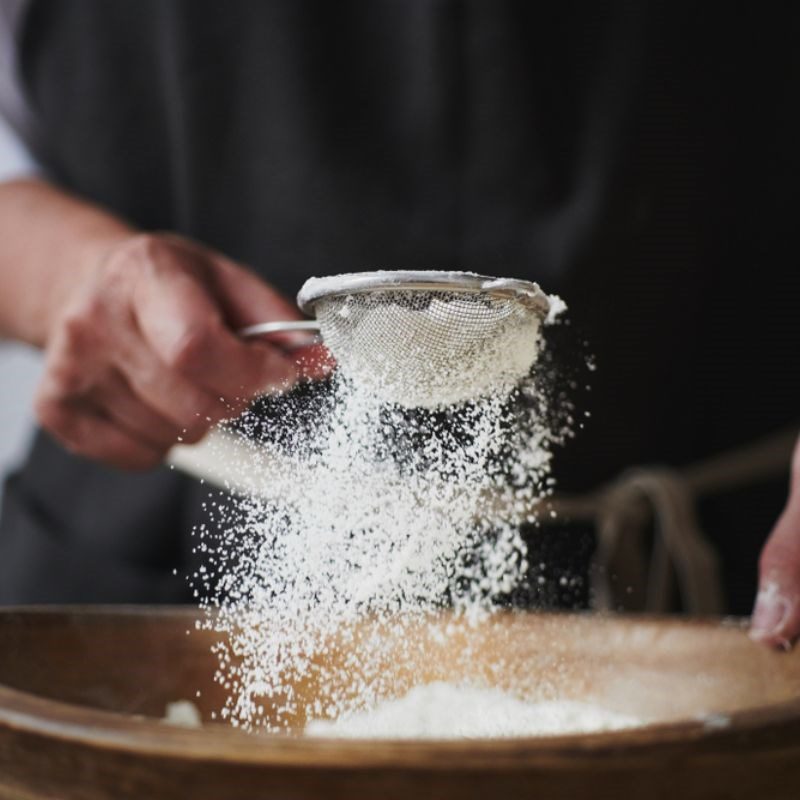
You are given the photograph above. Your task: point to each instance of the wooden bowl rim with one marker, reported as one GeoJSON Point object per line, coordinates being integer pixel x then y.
{"type": "Point", "coordinates": [27, 713]}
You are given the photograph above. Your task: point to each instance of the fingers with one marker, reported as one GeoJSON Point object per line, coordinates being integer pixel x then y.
{"type": "Point", "coordinates": [117, 402]}
{"type": "Point", "coordinates": [189, 408]}
{"type": "Point", "coordinates": [85, 431]}
{"type": "Point", "coordinates": [82, 415]}
{"type": "Point", "coordinates": [776, 616]}
{"type": "Point", "coordinates": [185, 327]}
{"type": "Point", "coordinates": [83, 397]}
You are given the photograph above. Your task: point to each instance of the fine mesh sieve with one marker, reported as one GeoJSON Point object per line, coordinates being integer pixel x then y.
{"type": "Point", "coordinates": [425, 338]}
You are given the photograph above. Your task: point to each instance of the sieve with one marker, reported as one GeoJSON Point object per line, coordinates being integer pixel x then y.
{"type": "Point", "coordinates": [424, 338]}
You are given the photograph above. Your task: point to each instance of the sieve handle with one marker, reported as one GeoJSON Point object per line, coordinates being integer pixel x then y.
{"type": "Point", "coordinates": [280, 327]}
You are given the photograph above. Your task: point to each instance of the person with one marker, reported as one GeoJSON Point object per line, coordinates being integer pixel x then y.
{"type": "Point", "coordinates": [176, 169]}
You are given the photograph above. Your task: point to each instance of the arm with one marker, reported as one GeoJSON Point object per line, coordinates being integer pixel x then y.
{"type": "Point", "coordinates": [49, 242]}
{"type": "Point", "coordinates": [138, 328]}
{"type": "Point", "coordinates": [776, 617]}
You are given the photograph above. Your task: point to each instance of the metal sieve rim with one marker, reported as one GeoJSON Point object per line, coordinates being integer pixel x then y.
{"type": "Point", "coordinates": [525, 292]}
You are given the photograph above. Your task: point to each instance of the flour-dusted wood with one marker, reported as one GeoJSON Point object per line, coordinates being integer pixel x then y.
{"type": "Point", "coordinates": [82, 693]}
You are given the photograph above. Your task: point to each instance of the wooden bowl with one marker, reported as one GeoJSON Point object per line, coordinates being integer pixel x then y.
{"type": "Point", "coordinates": [82, 691]}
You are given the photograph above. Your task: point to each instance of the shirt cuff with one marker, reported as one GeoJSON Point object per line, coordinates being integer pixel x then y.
{"type": "Point", "coordinates": [16, 160]}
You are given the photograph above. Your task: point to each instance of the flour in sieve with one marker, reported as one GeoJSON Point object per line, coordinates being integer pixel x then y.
{"type": "Point", "coordinates": [433, 351]}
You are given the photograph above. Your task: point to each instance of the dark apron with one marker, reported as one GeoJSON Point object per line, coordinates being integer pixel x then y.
{"type": "Point", "coordinates": [637, 158]}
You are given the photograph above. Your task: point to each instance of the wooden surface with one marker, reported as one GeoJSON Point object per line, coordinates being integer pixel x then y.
{"type": "Point", "coordinates": [82, 692]}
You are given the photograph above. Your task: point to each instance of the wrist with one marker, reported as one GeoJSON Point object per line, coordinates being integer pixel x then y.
{"type": "Point", "coordinates": [81, 268]}
{"type": "Point", "coordinates": [52, 243]}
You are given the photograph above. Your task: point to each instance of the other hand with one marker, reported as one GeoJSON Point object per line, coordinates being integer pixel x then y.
{"type": "Point", "coordinates": [776, 617]}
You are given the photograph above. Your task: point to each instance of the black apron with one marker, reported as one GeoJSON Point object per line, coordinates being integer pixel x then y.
{"type": "Point", "coordinates": [638, 158]}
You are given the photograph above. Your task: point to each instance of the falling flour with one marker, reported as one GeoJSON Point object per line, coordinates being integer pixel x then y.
{"type": "Point", "coordinates": [445, 711]}
{"type": "Point", "coordinates": [373, 515]}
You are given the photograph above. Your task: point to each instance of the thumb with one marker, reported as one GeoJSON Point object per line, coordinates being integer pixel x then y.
{"type": "Point", "coordinates": [247, 299]}
{"type": "Point", "coordinates": [776, 616]}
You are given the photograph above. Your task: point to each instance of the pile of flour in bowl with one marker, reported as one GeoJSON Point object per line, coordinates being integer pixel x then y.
{"type": "Point", "coordinates": [374, 514]}
{"type": "Point", "coordinates": [447, 711]}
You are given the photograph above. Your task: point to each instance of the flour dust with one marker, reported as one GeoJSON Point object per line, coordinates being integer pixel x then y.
{"type": "Point", "coordinates": [363, 525]}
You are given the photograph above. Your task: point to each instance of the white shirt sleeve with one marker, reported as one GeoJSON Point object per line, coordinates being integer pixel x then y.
{"type": "Point", "coordinates": [17, 126]}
